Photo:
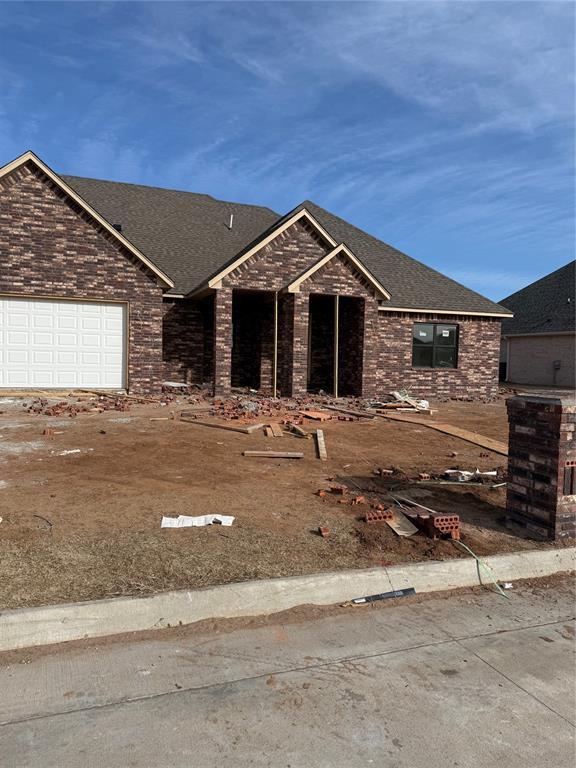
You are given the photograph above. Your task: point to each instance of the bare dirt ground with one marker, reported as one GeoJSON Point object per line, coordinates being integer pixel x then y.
{"type": "Point", "coordinates": [81, 510]}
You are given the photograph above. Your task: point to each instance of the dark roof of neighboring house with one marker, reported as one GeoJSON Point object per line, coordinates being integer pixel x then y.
{"type": "Point", "coordinates": [187, 235]}
{"type": "Point", "coordinates": [546, 306]}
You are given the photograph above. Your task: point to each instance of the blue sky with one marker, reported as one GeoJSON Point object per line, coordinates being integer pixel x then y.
{"type": "Point", "coordinates": [445, 129]}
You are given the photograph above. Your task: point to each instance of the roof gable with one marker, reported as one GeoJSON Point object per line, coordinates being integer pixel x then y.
{"type": "Point", "coordinates": [302, 215]}
{"type": "Point", "coordinates": [340, 251]}
{"type": "Point", "coordinates": [30, 157]}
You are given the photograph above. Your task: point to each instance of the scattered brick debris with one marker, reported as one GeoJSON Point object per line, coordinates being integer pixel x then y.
{"type": "Point", "coordinates": [324, 532]}
{"type": "Point", "coordinates": [376, 515]}
{"type": "Point", "coordinates": [358, 500]}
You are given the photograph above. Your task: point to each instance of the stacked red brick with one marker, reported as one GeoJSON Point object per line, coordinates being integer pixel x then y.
{"type": "Point", "coordinates": [541, 495]}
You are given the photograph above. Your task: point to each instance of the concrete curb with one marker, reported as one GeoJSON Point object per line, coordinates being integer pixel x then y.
{"type": "Point", "coordinates": [29, 627]}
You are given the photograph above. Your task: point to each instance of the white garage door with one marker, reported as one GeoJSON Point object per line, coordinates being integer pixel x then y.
{"type": "Point", "coordinates": [47, 343]}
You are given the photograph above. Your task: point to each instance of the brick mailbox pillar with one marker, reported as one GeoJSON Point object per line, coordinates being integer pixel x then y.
{"type": "Point", "coordinates": [541, 493]}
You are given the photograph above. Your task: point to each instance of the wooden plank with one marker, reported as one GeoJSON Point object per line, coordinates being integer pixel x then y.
{"type": "Point", "coordinates": [316, 415]}
{"type": "Point", "coordinates": [349, 412]}
{"type": "Point", "coordinates": [297, 430]}
{"type": "Point", "coordinates": [274, 454]}
{"type": "Point", "coordinates": [321, 444]}
{"type": "Point", "coordinates": [464, 434]}
{"type": "Point", "coordinates": [229, 427]}
{"type": "Point", "coordinates": [197, 409]}
{"type": "Point", "coordinates": [276, 429]}
{"type": "Point", "coordinates": [401, 525]}
{"type": "Point", "coordinates": [268, 432]}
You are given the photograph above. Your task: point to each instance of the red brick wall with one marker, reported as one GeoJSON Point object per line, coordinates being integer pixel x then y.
{"type": "Point", "coordinates": [478, 355]}
{"type": "Point", "coordinates": [385, 338]}
{"type": "Point", "coordinates": [281, 261]}
{"type": "Point", "coordinates": [541, 451]}
{"type": "Point", "coordinates": [50, 248]}
{"type": "Point", "coordinates": [183, 341]}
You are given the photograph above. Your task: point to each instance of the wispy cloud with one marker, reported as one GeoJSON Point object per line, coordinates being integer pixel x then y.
{"type": "Point", "coordinates": [445, 128]}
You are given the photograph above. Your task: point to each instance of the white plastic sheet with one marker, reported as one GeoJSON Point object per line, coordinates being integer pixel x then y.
{"type": "Point", "coordinates": [187, 521]}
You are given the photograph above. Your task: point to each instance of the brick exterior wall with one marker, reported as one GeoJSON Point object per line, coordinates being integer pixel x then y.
{"type": "Point", "coordinates": [478, 354]}
{"type": "Point", "coordinates": [541, 498]}
{"type": "Point", "coordinates": [280, 261]}
{"type": "Point", "coordinates": [383, 339]}
{"type": "Point", "coordinates": [49, 247]}
{"type": "Point", "coordinates": [531, 360]}
{"type": "Point", "coordinates": [183, 341]}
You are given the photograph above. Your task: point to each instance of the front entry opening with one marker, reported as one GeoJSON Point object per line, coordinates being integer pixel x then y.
{"type": "Point", "coordinates": [255, 340]}
{"type": "Point", "coordinates": [335, 345]}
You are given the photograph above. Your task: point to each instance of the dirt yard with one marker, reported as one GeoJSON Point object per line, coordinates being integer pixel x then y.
{"type": "Point", "coordinates": [81, 510]}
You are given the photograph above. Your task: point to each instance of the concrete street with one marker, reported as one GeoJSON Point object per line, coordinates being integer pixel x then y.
{"type": "Point", "coordinates": [456, 681]}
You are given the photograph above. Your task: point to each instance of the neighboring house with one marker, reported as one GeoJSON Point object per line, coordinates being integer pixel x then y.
{"type": "Point", "coordinates": [109, 285]}
{"type": "Point", "coordinates": [539, 342]}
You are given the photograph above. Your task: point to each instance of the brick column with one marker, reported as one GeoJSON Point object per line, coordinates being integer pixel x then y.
{"type": "Point", "coordinates": [222, 341]}
{"type": "Point", "coordinates": [370, 349]}
{"type": "Point", "coordinates": [300, 344]}
{"type": "Point", "coordinates": [267, 348]}
{"type": "Point", "coordinates": [541, 493]}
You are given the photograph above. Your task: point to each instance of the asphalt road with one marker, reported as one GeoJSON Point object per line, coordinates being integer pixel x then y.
{"type": "Point", "coordinates": [453, 682]}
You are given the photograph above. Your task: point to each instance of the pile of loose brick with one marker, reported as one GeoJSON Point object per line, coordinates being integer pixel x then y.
{"type": "Point", "coordinates": [434, 524]}
{"type": "Point", "coordinates": [76, 406]}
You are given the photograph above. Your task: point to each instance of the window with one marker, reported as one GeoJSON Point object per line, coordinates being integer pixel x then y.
{"type": "Point", "coordinates": [434, 345]}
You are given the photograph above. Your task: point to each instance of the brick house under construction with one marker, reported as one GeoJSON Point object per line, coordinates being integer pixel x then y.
{"type": "Point", "coordinates": [113, 285]}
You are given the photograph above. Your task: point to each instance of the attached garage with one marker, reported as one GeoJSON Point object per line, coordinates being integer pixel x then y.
{"type": "Point", "coordinates": [60, 343]}
{"type": "Point", "coordinates": [80, 305]}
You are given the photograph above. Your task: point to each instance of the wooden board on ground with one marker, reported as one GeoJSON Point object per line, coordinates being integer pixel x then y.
{"type": "Point", "coordinates": [268, 432]}
{"type": "Point", "coordinates": [295, 429]}
{"type": "Point", "coordinates": [274, 454]}
{"type": "Point", "coordinates": [316, 415]}
{"type": "Point", "coordinates": [401, 525]}
{"type": "Point", "coordinates": [464, 434]}
{"type": "Point", "coordinates": [321, 444]}
{"type": "Point", "coordinates": [246, 430]}
{"type": "Point", "coordinates": [350, 412]}
{"type": "Point", "coordinates": [276, 430]}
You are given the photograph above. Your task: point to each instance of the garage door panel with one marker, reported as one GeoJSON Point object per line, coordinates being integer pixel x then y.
{"type": "Point", "coordinates": [15, 338]}
{"type": "Point", "coordinates": [18, 356]}
{"type": "Point", "coordinates": [64, 322]}
{"type": "Point", "coordinates": [61, 343]}
{"type": "Point", "coordinates": [42, 357]}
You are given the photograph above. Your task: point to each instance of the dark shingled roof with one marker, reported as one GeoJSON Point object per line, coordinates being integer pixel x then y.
{"type": "Point", "coordinates": [187, 236]}
{"type": "Point", "coordinates": [546, 306]}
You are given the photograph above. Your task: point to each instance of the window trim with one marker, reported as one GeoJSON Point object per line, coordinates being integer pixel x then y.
{"type": "Point", "coordinates": [434, 346]}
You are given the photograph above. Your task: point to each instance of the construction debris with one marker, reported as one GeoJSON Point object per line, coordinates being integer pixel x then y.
{"type": "Point", "coordinates": [401, 525]}
{"type": "Point", "coordinates": [349, 412]}
{"type": "Point", "coordinates": [384, 596]}
{"type": "Point", "coordinates": [379, 515]}
{"type": "Point", "coordinates": [247, 430]}
{"type": "Point", "coordinates": [323, 531]}
{"type": "Point", "coordinates": [464, 477]}
{"type": "Point", "coordinates": [316, 415]}
{"type": "Point", "coordinates": [434, 524]}
{"type": "Point", "coordinates": [274, 454]}
{"type": "Point", "coordinates": [321, 445]}
{"type": "Point", "coordinates": [186, 521]}
{"type": "Point", "coordinates": [296, 430]}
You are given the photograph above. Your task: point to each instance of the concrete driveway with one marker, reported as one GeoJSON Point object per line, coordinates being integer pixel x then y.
{"type": "Point", "coordinates": [461, 681]}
